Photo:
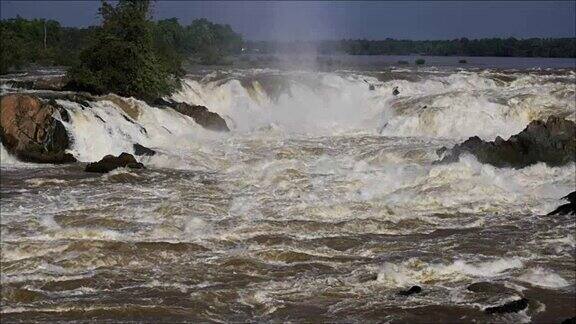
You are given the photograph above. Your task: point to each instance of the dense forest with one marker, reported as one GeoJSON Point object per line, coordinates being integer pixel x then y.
{"type": "Point", "coordinates": [46, 42]}
{"type": "Point", "coordinates": [511, 47]}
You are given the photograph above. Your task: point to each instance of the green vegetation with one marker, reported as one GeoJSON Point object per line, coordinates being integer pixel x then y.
{"type": "Point", "coordinates": [512, 47]}
{"type": "Point", "coordinates": [121, 58]}
{"type": "Point", "coordinates": [38, 41]}
{"type": "Point", "coordinates": [420, 61]}
{"type": "Point", "coordinates": [22, 41]}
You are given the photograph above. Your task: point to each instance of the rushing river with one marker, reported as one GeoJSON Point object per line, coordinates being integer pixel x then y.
{"type": "Point", "coordinates": [320, 205]}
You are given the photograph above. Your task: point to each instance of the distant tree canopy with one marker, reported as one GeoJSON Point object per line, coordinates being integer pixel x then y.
{"type": "Point", "coordinates": [22, 42]}
{"type": "Point", "coordinates": [204, 42]}
{"type": "Point", "coordinates": [512, 47]}
{"type": "Point", "coordinates": [168, 43]}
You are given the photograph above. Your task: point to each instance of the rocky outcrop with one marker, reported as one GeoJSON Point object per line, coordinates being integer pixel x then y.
{"type": "Point", "coordinates": [511, 307]}
{"type": "Point", "coordinates": [552, 142]}
{"type": "Point", "coordinates": [569, 208]}
{"type": "Point", "coordinates": [111, 162]}
{"type": "Point", "coordinates": [140, 150]}
{"type": "Point", "coordinates": [30, 131]}
{"type": "Point", "coordinates": [201, 115]}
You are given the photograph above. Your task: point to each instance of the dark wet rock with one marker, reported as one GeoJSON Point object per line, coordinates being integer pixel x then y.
{"type": "Point", "coordinates": [567, 209]}
{"type": "Point", "coordinates": [371, 87]}
{"type": "Point", "coordinates": [489, 288]}
{"type": "Point", "coordinates": [29, 130]}
{"type": "Point", "coordinates": [571, 320]}
{"type": "Point", "coordinates": [413, 290]}
{"type": "Point", "coordinates": [552, 142]}
{"type": "Point", "coordinates": [201, 115]}
{"type": "Point", "coordinates": [140, 150]}
{"type": "Point", "coordinates": [511, 307]}
{"type": "Point", "coordinates": [111, 162]}
{"type": "Point", "coordinates": [395, 91]}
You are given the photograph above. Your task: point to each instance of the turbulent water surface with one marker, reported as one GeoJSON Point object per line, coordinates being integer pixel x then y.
{"type": "Point", "coordinates": [321, 204]}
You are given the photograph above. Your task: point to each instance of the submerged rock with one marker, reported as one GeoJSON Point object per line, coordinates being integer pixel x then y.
{"type": "Point", "coordinates": [201, 115]}
{"type": "Point", "coordinates": [30, 131]}
{"type": "Point", "coordinates": [552, 142]}
{"type": "Point", "coordinates": [111, 162]}
{"type": "Point", "coordinates": [489, 288]}
{"type": "Point", "coordinates": [413, 290]}
{"type": "Point", "coordinates": [511, 307]}
{"type": "Point", "coordinates": [140, 150]}
{"type": "Point", "coordinates": [569, 208]}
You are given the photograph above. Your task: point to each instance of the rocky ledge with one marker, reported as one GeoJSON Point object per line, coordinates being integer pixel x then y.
{"type": "Point", "coordinates": [30, 130]}
{"type": "Point", "coordinates": [111, 162]}
{"type": "Point", "coordinates": [200, 114]}
{"type": "Point", "coordinates": [552, 142]}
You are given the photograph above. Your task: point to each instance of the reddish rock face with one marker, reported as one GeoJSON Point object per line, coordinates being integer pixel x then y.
{"type": "Point", "coordinates": [29, 130]}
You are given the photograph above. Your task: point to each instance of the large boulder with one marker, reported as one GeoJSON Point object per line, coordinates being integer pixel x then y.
{"type": "Point", "coordinates": [30, 131]}
{"type": "Point", "coordinates": [552, 142]}
{"type": "Point", "coordinates": [201, 115]}
{"type": "Point", "coordinates": [111, 162]}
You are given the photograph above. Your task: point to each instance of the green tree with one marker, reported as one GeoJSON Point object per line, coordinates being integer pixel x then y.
{"type": "Point", "coordinates": [121, 59]}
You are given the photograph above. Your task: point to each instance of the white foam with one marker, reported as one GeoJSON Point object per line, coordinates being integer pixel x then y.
{"type": "Point", "coordinates": [543, 278]}
{"type": "Point", "coordinates": [415, 271]}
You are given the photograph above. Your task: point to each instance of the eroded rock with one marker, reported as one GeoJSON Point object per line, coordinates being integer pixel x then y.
{"type": "Point", "coordinates": [30, 130]}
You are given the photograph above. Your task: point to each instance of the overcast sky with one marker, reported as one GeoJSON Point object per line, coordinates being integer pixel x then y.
{"type": "Point", "coordinates": [287, 20]}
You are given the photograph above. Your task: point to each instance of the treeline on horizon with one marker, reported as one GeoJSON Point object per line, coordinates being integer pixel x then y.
{"type": "Point", "coordinates": [503, 47]}
{"type": "Point", "coordinates": [46, 43]}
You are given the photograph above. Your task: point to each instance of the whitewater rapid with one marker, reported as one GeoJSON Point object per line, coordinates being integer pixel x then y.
{"type": "Point", "coordinates": [321, 183]}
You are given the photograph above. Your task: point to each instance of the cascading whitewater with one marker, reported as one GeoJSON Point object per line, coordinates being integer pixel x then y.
{"type": "Point", "coordinates": [438, 105]}
{"type": "Point", "coordinates": [303, 208]}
